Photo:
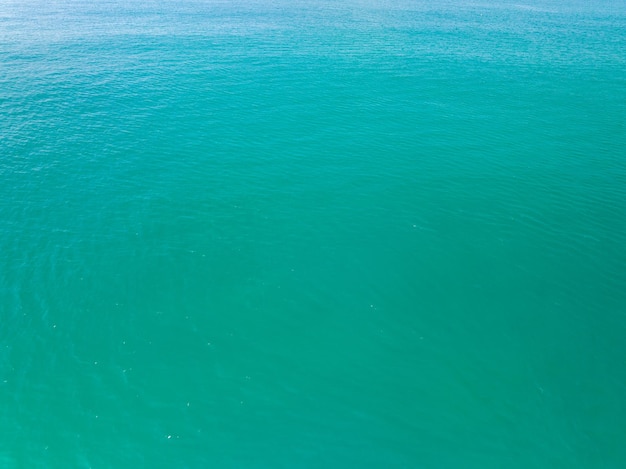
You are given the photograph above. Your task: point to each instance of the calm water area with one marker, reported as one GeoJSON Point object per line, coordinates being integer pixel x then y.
{"type": "Point", "coordinates": [323, 234]}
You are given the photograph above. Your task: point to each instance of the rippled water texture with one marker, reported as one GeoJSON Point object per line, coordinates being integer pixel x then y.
{"type": "Point", "coordinates": [346, 233]}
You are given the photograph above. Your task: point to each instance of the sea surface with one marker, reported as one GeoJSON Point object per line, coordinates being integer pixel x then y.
{"type": "Point", "coordinates": [312, 234]}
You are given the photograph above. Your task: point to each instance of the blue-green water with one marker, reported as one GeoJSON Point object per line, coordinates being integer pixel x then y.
{"type": "Point", "coordinates": [270, 234]}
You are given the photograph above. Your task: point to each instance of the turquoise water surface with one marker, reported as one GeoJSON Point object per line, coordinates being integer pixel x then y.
{"type": "Point", "coordinates": [350, 233]}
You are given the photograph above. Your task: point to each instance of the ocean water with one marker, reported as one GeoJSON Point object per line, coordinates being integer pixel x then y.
{"type": "Point", "coordinates": [351, 233]}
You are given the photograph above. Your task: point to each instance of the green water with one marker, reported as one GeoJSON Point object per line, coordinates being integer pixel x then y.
{"type": "Point", "coordinates": [312, 234]}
